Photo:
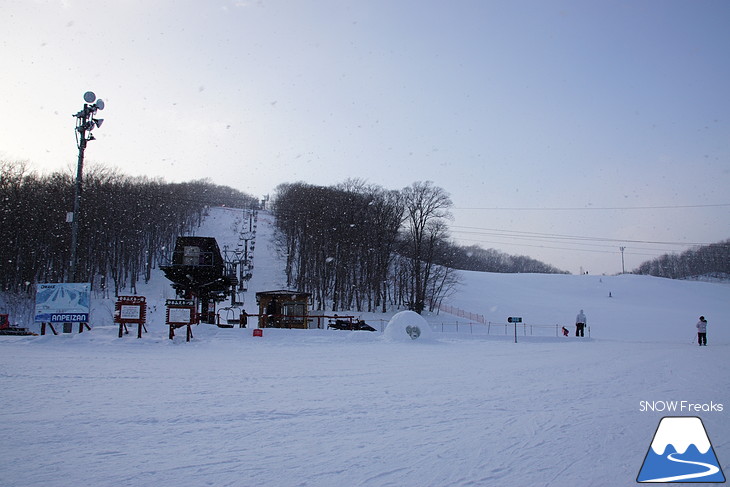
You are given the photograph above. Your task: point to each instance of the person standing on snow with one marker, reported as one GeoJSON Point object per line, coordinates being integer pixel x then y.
{"type": "Point", "coordinates": [580, 324]}
{"type": "Point", "coordinates": [272, 313]}
{"type": "Point", "coordinates": [702, 331]}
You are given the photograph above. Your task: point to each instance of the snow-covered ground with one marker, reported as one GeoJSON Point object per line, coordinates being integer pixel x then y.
{"type": "Point", "coordinates": [334, 408]}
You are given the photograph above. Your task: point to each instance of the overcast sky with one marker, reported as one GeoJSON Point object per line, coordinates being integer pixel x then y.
{"type": "Point", "coordinates": [563, 130]}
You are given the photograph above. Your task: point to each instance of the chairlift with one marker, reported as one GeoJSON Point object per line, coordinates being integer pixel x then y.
{"type": "Point", "coordinates": [234, 315]}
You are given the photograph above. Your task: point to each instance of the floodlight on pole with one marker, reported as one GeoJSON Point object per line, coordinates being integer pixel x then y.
{"type": "Point", "coordinates": [85, 123]}
{"type": "Point", "coordinates": [623, 269]}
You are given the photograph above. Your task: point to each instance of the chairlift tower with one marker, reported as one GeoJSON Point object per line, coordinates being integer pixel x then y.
{"type": "Point", "coordinates": [85, 123]}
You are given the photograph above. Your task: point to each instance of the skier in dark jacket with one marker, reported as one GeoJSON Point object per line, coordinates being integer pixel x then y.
{"type": "Point", "coordinates": [272, 313]}
{"type": "Point", "coordinates": [580, 324]}
{"type": "Point", "coordinates": [702, 331]}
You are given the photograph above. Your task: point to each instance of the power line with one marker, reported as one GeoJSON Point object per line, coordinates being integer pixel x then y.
{"type": "Point", "coordinates": [569, 243]}
{"type": "Point", "coordinates": [571, 249]}
{"type": "Point", "coordinates": [592, 208]}
{"type": "Point", "coordinates": [495, 232]}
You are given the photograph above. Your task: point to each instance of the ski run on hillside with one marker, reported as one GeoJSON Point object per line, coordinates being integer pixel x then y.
{"type": "Point", "coordinates": [471, 404]}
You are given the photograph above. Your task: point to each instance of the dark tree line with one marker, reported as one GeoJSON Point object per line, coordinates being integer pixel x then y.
{"type": "Point", "coordinates": [126, 225]}
{"type": "Point", "coordinates": [708, 259]}
{"type": "Point", "coordinates": [339, 242]}
{"type": "Point", "coordinates": [475, 258]}
{"type": "Point", "coordinates": [358, 246]}
{"type": "Point", "coordinates": [354, 246]}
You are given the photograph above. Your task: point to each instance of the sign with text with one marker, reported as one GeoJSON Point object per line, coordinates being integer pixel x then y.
{"type": "Point", "coordinates": [62, 302]}
{"type": "Point", "coordinates": [129, 312]}
{"type": "Point", "coordinates": [130, 309]}
{"type": "Point", "coordinates": [180, 315]}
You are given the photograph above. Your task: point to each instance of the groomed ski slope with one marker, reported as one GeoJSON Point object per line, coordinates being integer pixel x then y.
{"type": "Point", "coordinates": [333, 408]}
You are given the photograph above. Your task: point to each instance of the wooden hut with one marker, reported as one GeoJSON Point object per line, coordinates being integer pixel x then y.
{"type": "Point", "coordinates": [283, 309]}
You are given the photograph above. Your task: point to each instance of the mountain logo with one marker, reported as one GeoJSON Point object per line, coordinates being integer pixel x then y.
{"type": "Point", "coordinates": [680, 452]}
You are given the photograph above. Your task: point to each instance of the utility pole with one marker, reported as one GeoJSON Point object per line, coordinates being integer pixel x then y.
{"type": "Point", "coordinates": [85, 123]}
{"type": "Point", "coordinates": [623, 269]}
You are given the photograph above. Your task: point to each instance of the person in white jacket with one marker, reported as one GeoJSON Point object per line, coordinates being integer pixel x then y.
{"type": "Point", "coordinates": [580, 324]}
{"type": "Point", "coordinates": [702, 331]}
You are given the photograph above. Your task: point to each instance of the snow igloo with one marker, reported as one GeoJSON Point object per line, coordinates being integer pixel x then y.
{"type": "Point", "coordinates": [408, 326]}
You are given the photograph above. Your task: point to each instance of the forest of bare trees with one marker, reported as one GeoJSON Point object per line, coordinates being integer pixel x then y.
{"type": "Point", "coordinates": [475, 258]}
{"type": "Point", "coordinates": [359, 246]}
{"type": "Point", "coordinates": [704, 260]}
{"type": "Point", "coordinates": [339, 242]}
{"type": "Point", "coordinates": [126, 225]}
{"type": "Point", "coordinates": [354, 246]}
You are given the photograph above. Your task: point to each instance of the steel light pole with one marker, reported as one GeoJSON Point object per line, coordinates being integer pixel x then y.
{"type": "Point", "coordinates": [85, 123]}
{"type": "Point", "coordinates": [623, 269]}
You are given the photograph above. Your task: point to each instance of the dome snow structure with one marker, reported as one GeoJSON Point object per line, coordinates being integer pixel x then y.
{"type": "Point", "coordinates": [408, 326]}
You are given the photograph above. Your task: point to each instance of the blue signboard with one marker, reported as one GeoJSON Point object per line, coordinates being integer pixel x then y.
{"type": "Point", "coordinates": [62, 303]}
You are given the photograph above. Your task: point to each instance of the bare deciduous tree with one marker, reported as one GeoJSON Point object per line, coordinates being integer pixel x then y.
{"type": "Point", "coordinates": [426, 209]}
